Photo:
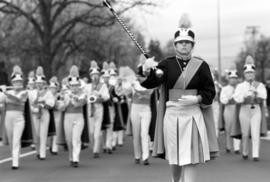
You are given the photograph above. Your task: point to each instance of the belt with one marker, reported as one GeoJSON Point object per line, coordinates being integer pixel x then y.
{"type": "Point", "coordinates": [74, 110]}
{"type": "Point", "coordinates": [175, 94]}
{"type": "Point", "coordinates": [249, 101]}
{"type": "Point", "coordinates": [13, 107]}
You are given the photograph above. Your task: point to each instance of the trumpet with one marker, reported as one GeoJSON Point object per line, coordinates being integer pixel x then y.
{"type": "Point", "coordinates": [74, 97]}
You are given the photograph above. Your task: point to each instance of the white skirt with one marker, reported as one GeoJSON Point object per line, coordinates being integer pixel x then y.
{"type": "Point", "coordinates": [185, 135]}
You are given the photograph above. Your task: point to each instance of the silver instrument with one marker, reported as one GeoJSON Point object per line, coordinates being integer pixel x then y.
{"type": "Point", "coordinates": [92, 98]}
{"type": "Point", "coordinates": [252, 89]}
{"type": "Point", "coordinates": [4, 87]}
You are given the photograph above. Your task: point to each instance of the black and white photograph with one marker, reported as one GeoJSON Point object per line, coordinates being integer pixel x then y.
{"type": "Point", "coordinates": [134, 90]}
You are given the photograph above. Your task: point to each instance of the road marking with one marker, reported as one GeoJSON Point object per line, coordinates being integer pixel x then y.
{"type": "Point", "coordinates": [21, 156]}
{"type": "Point", "coordinates": [267, 136]}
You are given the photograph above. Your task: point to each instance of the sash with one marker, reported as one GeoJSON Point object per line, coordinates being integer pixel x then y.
{"type": "Point", "coordinates": [187, 74]}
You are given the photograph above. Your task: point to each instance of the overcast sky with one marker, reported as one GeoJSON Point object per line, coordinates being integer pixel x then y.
{"type": "Point", "coordinates": [235, 16]}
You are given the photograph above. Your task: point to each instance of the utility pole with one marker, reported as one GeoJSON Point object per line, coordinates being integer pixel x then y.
{"type": "Point", "coordinates": [218, 41]}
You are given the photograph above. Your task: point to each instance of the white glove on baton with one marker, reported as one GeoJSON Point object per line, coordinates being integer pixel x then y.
{"type": "Point", "coordinates": [188, 100]}
{"type": "Point", "coordinates": [3, 88]}
{"type": "Point", "coordinates": [149, 64]}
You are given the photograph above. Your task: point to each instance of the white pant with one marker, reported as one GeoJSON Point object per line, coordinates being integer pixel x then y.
{"type": "Point", "coordinates": [118, 138]}
{"type": "Point", "coordinates": [140, 119]}
{"type": "Point", "coordinates": [216, 112]}
{"type": "Point", "coordinates": [94, 125]}
{"type": "Point", "coordinates": [250, 120]}
{"type": "Point", "coordinates": [58, 130]}
{"type": "Point", "coordinates": [108, 133]}
{"type": "Point", "coordinates": [73, 126]}
{"type": "Point", "coordinates": [41, 126]}
{"type": "Point", "coordinates": [230, 116]}
{"type": "Point", "coordinates": [14, 123]}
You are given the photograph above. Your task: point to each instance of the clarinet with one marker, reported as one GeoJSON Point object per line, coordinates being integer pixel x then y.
{"type": "Point", "coordinates": [252, 106]}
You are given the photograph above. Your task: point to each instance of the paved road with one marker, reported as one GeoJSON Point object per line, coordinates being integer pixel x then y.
{"type": "Point", "coordinates": [120, 167]}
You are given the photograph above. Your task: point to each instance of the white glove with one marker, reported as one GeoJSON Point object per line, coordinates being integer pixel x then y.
{"type": "Point", "coordinates": [250, 93]}
{"type": "Point", "coordinates": [3, 88]}
{"type": "Point", "coordinates": [149, 64]}
{"type": "Point", "coordinates": [188, 100]}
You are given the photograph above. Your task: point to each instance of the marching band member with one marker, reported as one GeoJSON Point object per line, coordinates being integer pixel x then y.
{"type": "Point", "coordinates": [15, 100]}
{"type": "Point", "coordinates": [3, 81]}
{"type": "Point", "coordinates": [216, 102]}
{"type": "Point", "coordinates": [230, 112]}
{"type": "Point", "coordinates": [31, 81]}
{"type": "Point", "coordinates": [115, 110]}
{"type": "Point", "coordinates": [97, 93]}
{"type": "Point", "coordinates": [107, 124]}
{"type": "Point", "coordinates": [187, 91]}
{"type": "Point", "coordinates": [74, 122]}
{"type": "Point", "coordinates": [122, 92]}
{"type": "Point", "coordinates": [58, 109]}
{"type": "Point", "coordinates": [140, 119]}
{"type": "Point", "coordinates": [64, 91]}
{"type": "Point", "coordinates": [42, 102]}
{"type": "Point", "coordinates": [251, 94]}
{"type": "Point", "coordinates": [31, 95]}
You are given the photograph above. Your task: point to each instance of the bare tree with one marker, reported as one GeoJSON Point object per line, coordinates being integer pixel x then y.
{"type": "Point", "coordinates": [56, 22]}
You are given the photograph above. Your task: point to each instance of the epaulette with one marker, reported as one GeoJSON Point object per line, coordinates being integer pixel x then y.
{"type": "Point", "coordinates": [198, 57]}
{"type": "Point", "coordinates": [168, 58]}
{"type": "Point", "coordinates": [171, 57]}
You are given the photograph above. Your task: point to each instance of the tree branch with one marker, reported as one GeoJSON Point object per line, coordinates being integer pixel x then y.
{"type": "Point", "coordinates": [18, 10]}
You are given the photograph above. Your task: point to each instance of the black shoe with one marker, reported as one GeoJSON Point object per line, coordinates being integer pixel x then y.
{"type": "Point", "coordinates": [38, 156]}
{"type": "Point", "coordinates": [256, 159]}
{"type": "Point", "coordinates": [14, 167]}
{"type": "Point", "coordinates": [109, 151]}
{"type": "Point", "coordinates": [146, 162]}
{"type": "Point", "coordinates": [137, 161]}
{"type": "Point", "coordinates": [54, 153]}
{"type": "Point", "coordinates": [65, 147]}
{"type": "Point", "coordinates": [114, 148]}
{"type": "Point", "coordinates": [245, 157]}
{"type": "Point", "coordinates": [75, 164]}
{"type": "Point", "coordinates": [120, 145]}
{"type": "Point", "coordinates": [84, 146]}
{"type": "Point", "coordinates": [33, 147]}
{"type": "Point", "coordinates": [237, 152]}
{"type": "Point", "coordinates": [228, 151]}
{"type": "Point", "coordinates": [96, 155]}
{"type": "Point", "coordinates": [104, 150]}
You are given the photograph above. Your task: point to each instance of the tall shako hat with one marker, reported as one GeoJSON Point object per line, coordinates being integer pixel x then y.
{"type": "Point", "coordinates": [105, 70]}
{"type": "Point", "coordinates": [31, 77]}
{"type": "Point", "coordinates": [54, 82]}
{"type": "Point", "coordinates": [184, 32]}
{"type": "Point", "coordinates": [94, 69]}
{"type": "Point", "coordinates": [73, 78]}
{"type": "Point", "coordinates": [64, 83]}
{"type": "Point", "coordinates": [40, 77]}
{"type": "Point", "coordinates": [232, 73]}
{"type": "Point", "coordinates": [249, 65]}
{"type": "Point", "coordinates": [17, 74]}
{"type": "Point", "coordinates": [112, 69]}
